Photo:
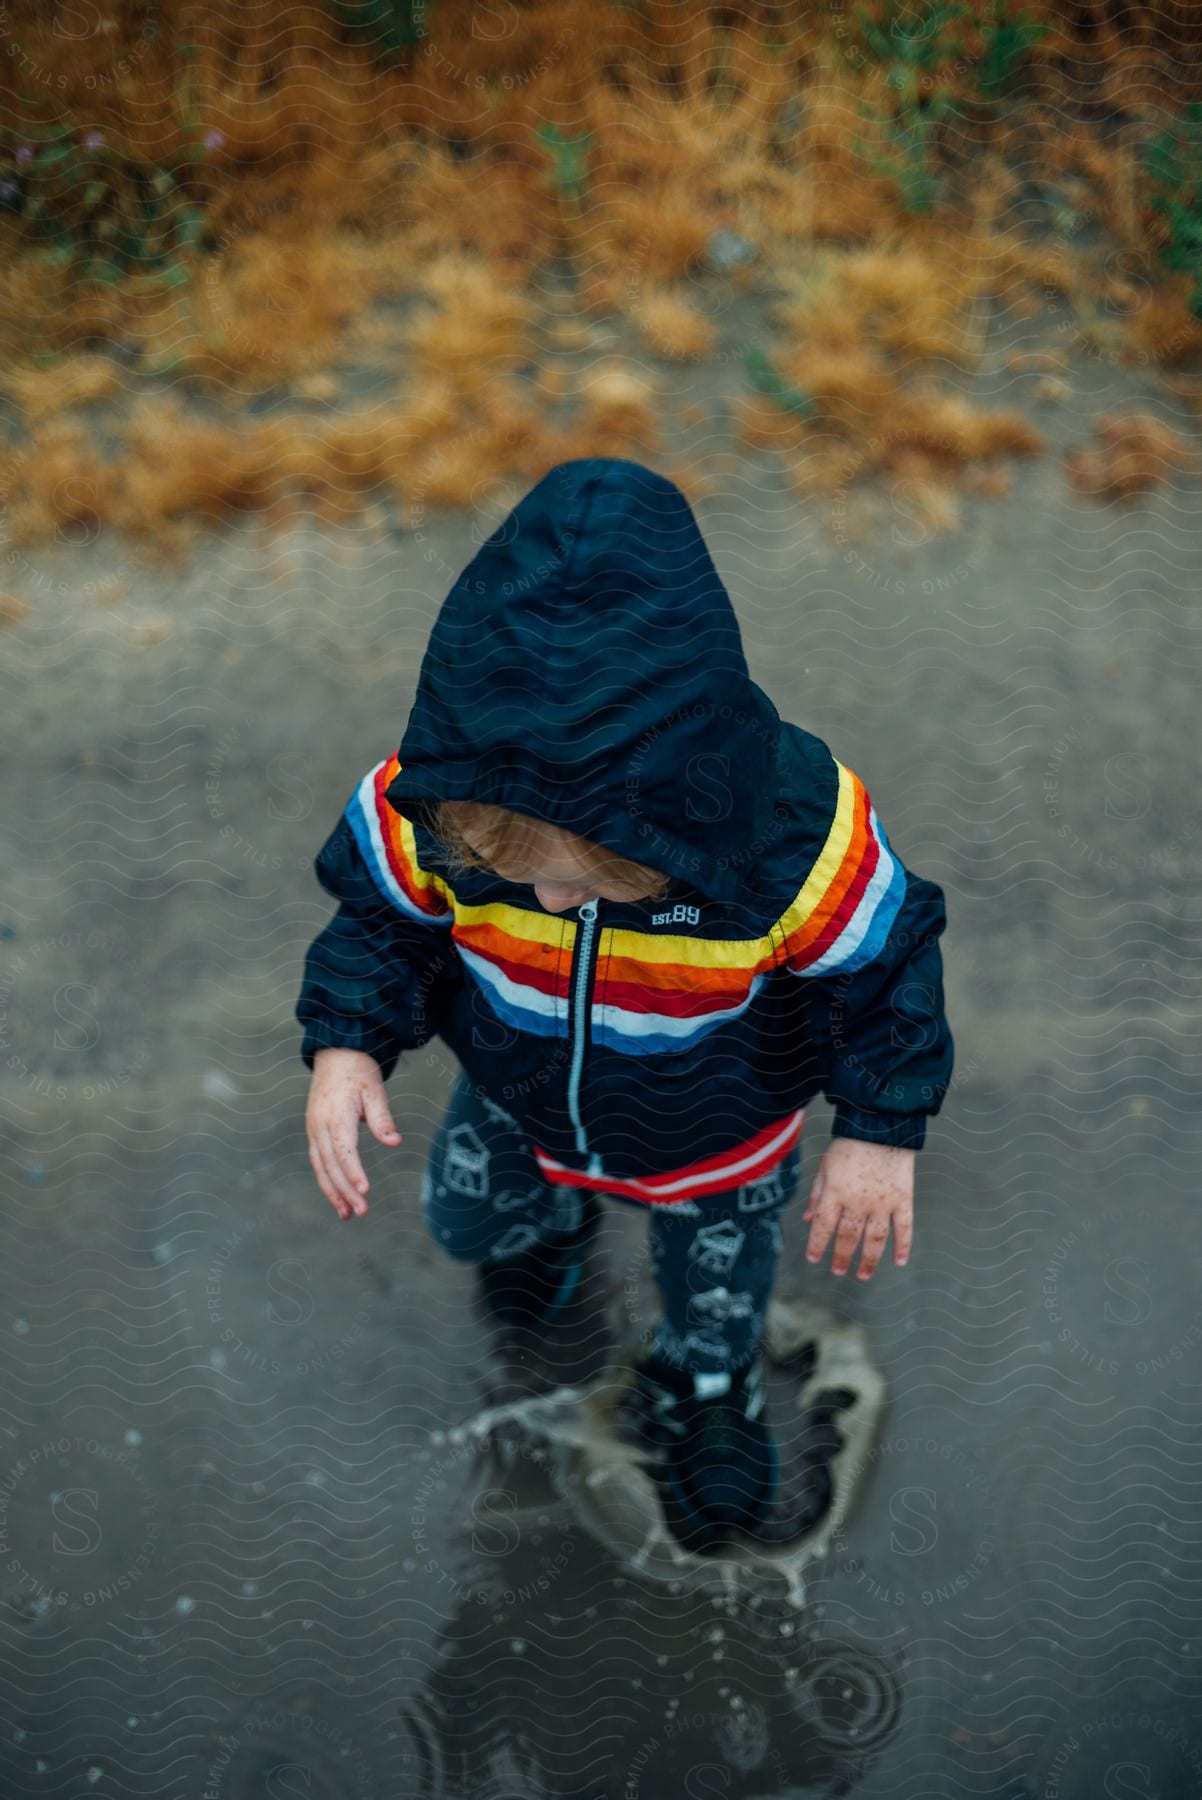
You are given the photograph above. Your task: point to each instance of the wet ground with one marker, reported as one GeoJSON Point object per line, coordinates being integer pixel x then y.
{"type": "Point", "coordinates": [249, 1544]}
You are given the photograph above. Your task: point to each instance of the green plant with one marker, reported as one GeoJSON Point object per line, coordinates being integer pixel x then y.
{"type": "Point", "coordinates": [911, 40]}
{"type": "Point", "coordinates": [84, 203]}
{"type": "Point", "coordinates": [909, 161]}
{"type": "Point", "coordinates": [913, 43]}
{"type": "Point", "coordinates": [1007, 44]}
{"type": "Point", "coordinates": [1173, 161]}
{"type": "Point", "coordinates": [387, 28]}
{"type": "Point", "coordinates": [569, 168]}
{"type": "Point", "coordinates": [767, 379]}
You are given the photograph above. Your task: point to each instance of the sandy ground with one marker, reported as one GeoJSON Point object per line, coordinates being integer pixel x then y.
{"type": "Point", "coordinates": [235, 1557]}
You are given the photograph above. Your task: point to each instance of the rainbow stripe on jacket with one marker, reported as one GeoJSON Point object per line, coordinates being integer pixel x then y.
{"type": "Point", "coordinates": [659, 992]}
{"type": "Point", "coordinates": [654, 991]}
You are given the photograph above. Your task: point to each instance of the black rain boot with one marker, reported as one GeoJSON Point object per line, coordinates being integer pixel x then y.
{"type": "Point", "coordinates": [721, 1469]}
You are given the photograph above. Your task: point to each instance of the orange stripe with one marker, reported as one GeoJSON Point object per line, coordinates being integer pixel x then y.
{"type": "Point", "coordinates": [672, 978]}
{"type": "Point", "coordinates": [390, 821]}
{"type": "Point", "coordinates": [816, 924]}
{"type": "Point", "coordinates": [495, 942]}
{"type": "Point", "coordinates": [426, 890]}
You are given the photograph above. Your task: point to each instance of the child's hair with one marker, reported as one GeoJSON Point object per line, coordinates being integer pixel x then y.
{"type": "Point", "coordinates": [507, 836]}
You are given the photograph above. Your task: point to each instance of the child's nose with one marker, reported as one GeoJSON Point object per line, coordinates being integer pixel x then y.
{"type": "Point", "coordinates": [559, 899]}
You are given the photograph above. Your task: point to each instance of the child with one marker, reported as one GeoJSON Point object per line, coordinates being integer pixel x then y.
{"type": "Point", "coordinates": [652, 921]}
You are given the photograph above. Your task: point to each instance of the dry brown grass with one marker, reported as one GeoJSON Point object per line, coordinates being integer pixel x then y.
{"type": "Point", "coordinates": [408, 220]}
{"type": "Point", "coordinates": [473, 327]}
{"type": "Point", "coordinates": [670, 326]}
{"type": "Point", "coordinates": [13, 609]}
{"type": "Point", "coordinates": [864, 337]}
{"type": "Point", "coordinates": [176, 473]}
{"type": "Point", "coordinates": [76, 381]}
{"type": "Point", "coordinates": [1132, 453]}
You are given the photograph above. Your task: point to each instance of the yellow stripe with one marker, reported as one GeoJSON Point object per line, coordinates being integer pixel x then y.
{"type": "Point", "coordinates": [830, 857]}
{"type": "Point", "coordinates": [701, 953]}
{"type": "Point", "coordinates": [423, 877]}
{"type": "Point", "coordinates": [638, 946]}
{"type": "Point", "coordinates": [399, 830]}
{"type": "Point", "coordinates": [649, 946]}
{"type": "Point", "coordinates": [533, 928]}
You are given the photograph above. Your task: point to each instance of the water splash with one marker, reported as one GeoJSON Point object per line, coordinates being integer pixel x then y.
{"type": "Point", "coordinates": [810, 1354]}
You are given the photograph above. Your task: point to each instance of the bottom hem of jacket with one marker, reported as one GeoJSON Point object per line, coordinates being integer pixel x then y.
{"type": "Point", "coordinates": [745, 1162]}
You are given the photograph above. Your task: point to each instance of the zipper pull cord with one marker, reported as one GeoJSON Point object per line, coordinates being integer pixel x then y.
{"type": "Point", "coordinates": [594, 1161]}
{"type": "Point", "coordinates": [588, 913]}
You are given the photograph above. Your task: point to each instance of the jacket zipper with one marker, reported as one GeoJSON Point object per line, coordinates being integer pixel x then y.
{"type": "Point", "coordinates": [584, 970]}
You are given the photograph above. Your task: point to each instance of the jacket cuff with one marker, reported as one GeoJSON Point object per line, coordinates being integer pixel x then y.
{"type": "Point", "coordinates": [906, 1131]}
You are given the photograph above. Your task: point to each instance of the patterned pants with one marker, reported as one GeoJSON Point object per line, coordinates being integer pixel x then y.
{"type": "Point", "coordinates": [713, 1259]}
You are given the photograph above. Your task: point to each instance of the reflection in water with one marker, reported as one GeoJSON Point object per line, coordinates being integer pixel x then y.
{"type": "Point", "coordinates": [603, 1685]}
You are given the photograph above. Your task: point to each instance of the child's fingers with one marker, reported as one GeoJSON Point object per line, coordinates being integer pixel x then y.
{"type": "Point", "coordinates": [903, 1235]}
{"type": "Point", "coordinates": [848, 1236]}
{"type": "Point", "coordinates": [378, 1115]}
{"type": "Point", "coordinates": [339, 1194]}
{"type": "Point", "coordinates": [815, 1196]}
{"type": "Point", "coordinates": [875, 1238]}
{"type": "Point", "coordinates": [342, 1160]}
{"type": "Point", "coordinates": [826, 1217]}
{"type": "Point", "coordinates": [317, 1164]}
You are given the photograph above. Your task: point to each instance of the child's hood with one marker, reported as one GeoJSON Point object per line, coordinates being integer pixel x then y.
{"type": "Point", "coordinates": [586, 668]}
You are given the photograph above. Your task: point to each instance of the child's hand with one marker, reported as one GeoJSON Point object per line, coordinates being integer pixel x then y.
{"type": "Point", "coordinates": [347, 1087]}
{"type": "Point", "coordinates": [860, 1184]}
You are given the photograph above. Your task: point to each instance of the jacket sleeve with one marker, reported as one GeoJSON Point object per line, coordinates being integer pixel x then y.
{"type": "Point", "coordinates": [892, 1048]}
{"type": "Point", "coordinates": [869, 937]}
{"type": "Point", "coordinates": [376, 976]}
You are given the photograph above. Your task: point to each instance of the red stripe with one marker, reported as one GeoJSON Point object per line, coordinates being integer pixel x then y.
{"type": "Point", "coordinates": [525, 974]}
{"type": "Point", "coordinates": [426, 899]}
{"type": "Point", "coordinates": [847, 906]}
{"type": "Point", "coordinates": [672, 1004]}
{"type": "Point", "coordinates": [710, 1175]}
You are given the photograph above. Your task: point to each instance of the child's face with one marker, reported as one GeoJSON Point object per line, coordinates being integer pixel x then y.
{"type": "Point", "coordinates": [565, 871]}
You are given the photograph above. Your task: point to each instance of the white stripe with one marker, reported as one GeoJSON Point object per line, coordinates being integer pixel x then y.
{"type": "Point", "coordinates": [632, 1024]}
{"type": "Point", "coordinates": [366, 797]}
{"type": "Point", "coordinates": [853, 932]}
{"type": "Point", "coordinates": [690, 1181]}
{"type": "Point", "coordinates": [532, 999]}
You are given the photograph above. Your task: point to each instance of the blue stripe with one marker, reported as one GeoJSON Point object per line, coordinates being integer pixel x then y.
{"type": "Point", "coordinates": [520, 1018]}
{"type": "Point", "coordinates": [384, 879]}
{"type": "Point", "coordinates": [872, 942]}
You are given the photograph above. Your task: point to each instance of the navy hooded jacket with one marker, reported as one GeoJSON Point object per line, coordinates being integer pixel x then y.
{"type": "Point", "coordinates": [586, 668]}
